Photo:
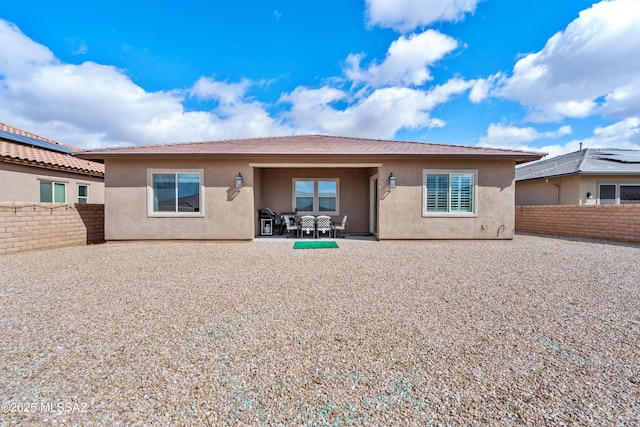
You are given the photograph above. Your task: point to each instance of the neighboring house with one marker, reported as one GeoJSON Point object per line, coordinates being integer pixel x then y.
{"type": "Point", "coordinates": [191, 191]}
{"type": "Point", "coordinates": [34, 169]}
{"type": "Point", "coordinates": [587, 177]}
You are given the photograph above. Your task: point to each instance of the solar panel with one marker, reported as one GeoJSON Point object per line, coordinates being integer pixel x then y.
{"type": "Point", "coordinates": [620, 156]}
{"type": "Point", "coordinates": [34, 142]}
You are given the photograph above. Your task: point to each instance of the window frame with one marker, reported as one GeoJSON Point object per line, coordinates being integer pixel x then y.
{"type": "Point", "coordinates": [617, 184]}
{"type": "Point", "coordinates": [176, 214]}
{"type": "Point", "coordinates": [86, 198]}
{"type": "Point", "coordinates": [316, 197]}
{"type": "Point", "coordinates": [53, 190]}
{"type": "Point", "coordinates": [449, 213]}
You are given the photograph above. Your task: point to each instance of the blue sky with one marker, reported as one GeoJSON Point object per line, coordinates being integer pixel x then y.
{"type": "Point", "coordinates": [493, 73]}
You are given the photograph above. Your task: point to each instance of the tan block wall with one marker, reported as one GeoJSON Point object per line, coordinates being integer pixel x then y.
{"type": "Point", "coordinates": [49, 225]}
{"type": "Point", "coordinates": [611, 222]}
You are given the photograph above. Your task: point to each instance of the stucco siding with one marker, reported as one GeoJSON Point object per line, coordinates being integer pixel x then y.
{"type": "Point", "coordinates": [21, 183]}
{"type": "Point", "coordinates": [401, 211]}
{"type": "Point", "coordinates": [571, 190]}
{"type": "Point", "coordinates": [232, 214]}
{"type": "Point", "coordinates": [228, 212]}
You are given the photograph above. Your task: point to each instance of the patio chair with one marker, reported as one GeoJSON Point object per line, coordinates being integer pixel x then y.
{"type": "Point", "coordinates": [323, 225]}
{"type": "Point", "coordinates": [308, 225]}
{"type": "Point", "coordinates": [290, 224]}
{"type": "Point", "coordinates": [340, 227]}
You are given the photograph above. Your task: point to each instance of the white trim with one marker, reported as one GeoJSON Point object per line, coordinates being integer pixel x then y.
{"type": "Point", "coordinates": [53, 190]}
{"type": "Point", "coordinates": [315, 165]}
{"type": "Point", "coordinates": [53, 179]}
{"type": "Point", "coordinates": [150, 211]}
{"type": "Point", "coordinates": [472, 214]}
{"type": "Point", "coordinates": [78, 193]}
{"type": "Point", "coordinates": [316, 196]}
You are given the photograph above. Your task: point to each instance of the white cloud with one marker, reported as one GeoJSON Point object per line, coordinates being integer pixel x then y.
{"type": "Point", "coordinates": [407, 15]}
{"type": "Point", "coordinates": [480, 89]}
{"type": "Point", "coordinates": [589, 68]}
{"type": "Point", "coordinates": [624, 134]}
{"type": "Point", "coordinates": [407, 62]}
{"type": "Point", "coordinates": [378, 114]}
{"type": "Point", "coordinates": [92, 105]}
{"type": "Point", "coordinates": [516, 137]}
{"type": "Point", "coordinates": [18, 53]}
{"type": "Point", "coordinates": [226, 93]}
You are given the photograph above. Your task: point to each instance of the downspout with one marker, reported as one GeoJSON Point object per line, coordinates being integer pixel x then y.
{"type": "Point", "coordinates": [557, 190]}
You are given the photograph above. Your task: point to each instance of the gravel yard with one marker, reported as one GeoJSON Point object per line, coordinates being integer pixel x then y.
{"type": "Point", "coordinates": [534, 331]}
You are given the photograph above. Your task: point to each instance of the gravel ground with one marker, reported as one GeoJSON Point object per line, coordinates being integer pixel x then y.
{"type": "Point", "coordinates": [534, 331]}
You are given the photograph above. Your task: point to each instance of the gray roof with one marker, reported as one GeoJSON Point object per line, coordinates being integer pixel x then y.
{"type": "Point", "coordinates": [590, 161]}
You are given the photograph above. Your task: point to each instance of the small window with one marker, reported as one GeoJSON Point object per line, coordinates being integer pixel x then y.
{"type": "Point", "coordinates": [630, 194]}
{"type": "Point", "coordinates": [83, 194]}
{"type": "Point", "coordinates": [449, 192]}
{"type": "Point", "coordinates": [619, 193]}
{"type": "Point", "coordinates": [53, 192]}
{"type": "Point", "coordinates": [316, 196]}
{"type": "Point", "coordinates": [175, 193]}
{"type": "Point", "coordinates": [608, 194]}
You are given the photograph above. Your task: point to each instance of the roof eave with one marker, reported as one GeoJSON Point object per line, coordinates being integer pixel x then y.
{"type": "Point", "coordinates": [581, 173]}
{"type": "Point", "coordinates": [52, 167]}
{"type": "Point", "coordinates": [517, 158]}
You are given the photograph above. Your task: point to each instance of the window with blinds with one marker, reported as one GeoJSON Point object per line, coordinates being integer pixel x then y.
{"type": "Point", "coordinates": [449, 192]}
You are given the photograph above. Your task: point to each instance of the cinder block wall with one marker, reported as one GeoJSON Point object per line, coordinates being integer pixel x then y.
{"type": "Point", "coordinates": [49, 225]}
{"type": "Point", "coordinates": [611, 222]}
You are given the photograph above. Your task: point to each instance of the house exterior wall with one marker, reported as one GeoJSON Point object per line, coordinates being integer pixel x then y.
{"type": "Point", "coordinates": [554, 191]}
{"type": "Point", "coordinates": [400, 212]}
{"type": "Point", "coordinates": [21, 183]}
{"type": "Point", "coordinates": [538, 192]}
{"type": "Point", "coordinates": [590, 183]}
{"type": "Point", "coordinates": [572, 190]}
{"type": "Point", "coordinates": [231, 214]}
{"type": "Point", "coordinates": [228, 212]}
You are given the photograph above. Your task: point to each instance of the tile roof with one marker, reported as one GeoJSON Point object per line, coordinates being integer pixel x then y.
{"type": "Point", "coordinates": [589, 161]}
{"type": "Point", "coordinates": [19, 152]}
{"type": "Point", "coordinates": [311, 146]}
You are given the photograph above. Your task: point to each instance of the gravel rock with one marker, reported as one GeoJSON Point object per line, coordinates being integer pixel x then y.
{"type": "Point", "coordinates": [534, 331]}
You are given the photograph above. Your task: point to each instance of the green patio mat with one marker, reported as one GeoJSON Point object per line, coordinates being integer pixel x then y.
{"type": "Point", "coordinates": [314, 245]}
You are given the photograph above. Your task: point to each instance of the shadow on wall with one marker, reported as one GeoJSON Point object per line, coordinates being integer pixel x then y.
{"type": "Point", "coordinates": [92, 216]}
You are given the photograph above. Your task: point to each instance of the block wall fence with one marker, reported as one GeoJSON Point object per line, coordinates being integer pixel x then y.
{"type": "Point", "coordinates": [25, 227]}
{"type": "Point", "coordinates": [610, 222]}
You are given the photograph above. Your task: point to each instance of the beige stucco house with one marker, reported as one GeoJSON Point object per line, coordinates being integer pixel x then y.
{"type": "Point", "coordinates": [213, 190]}
{"type": "Point", "coordinates": [34, 169]}
{"type": "Point", "coordinates": [592, 176]}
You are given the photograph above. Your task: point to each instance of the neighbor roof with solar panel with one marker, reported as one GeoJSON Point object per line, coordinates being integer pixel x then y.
{"type": "Point", "coordinates": [34, 142]}
{"type": "Point", "coordinates": [22, 147]}
{"type": "Point", "coordinates": [590, 161]}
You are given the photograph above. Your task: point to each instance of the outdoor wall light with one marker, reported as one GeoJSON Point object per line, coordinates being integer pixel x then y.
{"type": "Point", "coordinates": [392, 181]}
{"type": "Point", "coordinates": [239, 180]}
{"type": "Point", "coordinates": [588, 194]}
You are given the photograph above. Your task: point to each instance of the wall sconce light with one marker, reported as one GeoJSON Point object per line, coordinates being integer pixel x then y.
{"type": "Point", "coordinates": [588, 194]}
{"type": "Point", "coordinates": [392, 181]}
{"type": "Point", "coordinates": [239, 180]}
